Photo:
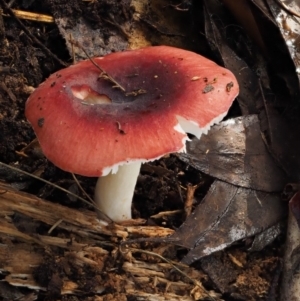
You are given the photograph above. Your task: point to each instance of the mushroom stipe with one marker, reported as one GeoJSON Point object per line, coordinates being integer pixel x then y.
{"type": "Point", "coordinates": [83, 115]}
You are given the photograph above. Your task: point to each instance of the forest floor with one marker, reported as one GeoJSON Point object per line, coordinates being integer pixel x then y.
{"type": "Point", "coordinates": [52, 247]}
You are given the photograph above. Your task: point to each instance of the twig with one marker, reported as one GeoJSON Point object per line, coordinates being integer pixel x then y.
{"type": "Point", "coordinates": [106, 218]}
{"type": "Point", "coordinates": [55, 225]}
{"type": "Point", "coordinates": [195, 282]}
{"type": "Point", "coordinates": [26, 15]}
{"type": "Point", "coordinates": [10, 11]}
{"type": "Point", "coordinates": [73, 51]}
{"type": "Point", "coordinates": [289, 10]}
{"type": "Point", "coordinates": [82, 190]}
{"type": "Point", "coordinates": [104, 75]}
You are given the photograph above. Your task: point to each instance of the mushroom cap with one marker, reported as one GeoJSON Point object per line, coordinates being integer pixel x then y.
{"type": "Point", "coordinates": [87, 126]}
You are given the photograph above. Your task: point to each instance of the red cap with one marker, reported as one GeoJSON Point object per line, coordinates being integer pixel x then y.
{"type": "Point", "coordinates": [87, 126]}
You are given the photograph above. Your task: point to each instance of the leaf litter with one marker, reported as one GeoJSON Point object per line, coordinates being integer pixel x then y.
{"type": "Point", "coordinates": [234, 151]}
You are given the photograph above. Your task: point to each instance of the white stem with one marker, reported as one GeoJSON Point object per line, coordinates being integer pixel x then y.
{"type": "Point", "coordinates": [114, 192]}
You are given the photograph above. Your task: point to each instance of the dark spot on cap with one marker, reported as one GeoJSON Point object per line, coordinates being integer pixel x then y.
{"type": "Point", "coordinates": [208, 88]}
{"type": "Point", "coordinates": [229, 86]}
{"type": "Point", "coordinates": [41, 122]}
{"type": "Point", "coordinates": [53, 84]}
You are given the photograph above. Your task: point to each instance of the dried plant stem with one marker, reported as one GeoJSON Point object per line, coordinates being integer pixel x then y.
{"type": "Point", "coordinates": [286, 8]}
{"type": "Point", "coordinates": [104, 75]}
{"type": "Point", "coordinates": [28, 33]}
{"type": "Point", "coordinates": [174, 266]}
{"type": "Point", "coordinates": [106, 218]}
{"type": "Point", "coordinates": [83, 191]}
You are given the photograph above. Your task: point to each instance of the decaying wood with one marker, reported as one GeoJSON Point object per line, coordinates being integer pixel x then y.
{"type": "Point", "coordinates": [78, 243]}
{"type": "Point", "coordinates": [83, 223]}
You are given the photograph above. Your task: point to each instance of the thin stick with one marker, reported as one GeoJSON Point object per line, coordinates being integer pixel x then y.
{"type": "Point", "coordinates": [195, 282]}
{"type": "Point", "coordinates": [83, 191]}
{"type": "Point", "coordinates": [104, 75]}
{"type": "Point", "coordinates": [106, 218]}
{"type": "Point", "coordinates": [73, 51]}
{"type": "Point", "coordinates": [10, 11]}
{"type": "Point", "coordinates": [286, 8]}
{"type": "Point", "coordinates": [55, 225]}
{"type": "Point", "coordinates": [26, 15]}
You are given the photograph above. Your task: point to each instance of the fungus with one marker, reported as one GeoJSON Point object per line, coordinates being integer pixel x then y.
{"type": "Point", "coordinates": [87, 125]}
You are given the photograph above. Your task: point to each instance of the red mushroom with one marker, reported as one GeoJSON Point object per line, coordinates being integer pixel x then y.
{"type": "Point", "coordinates": [89, 126]}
